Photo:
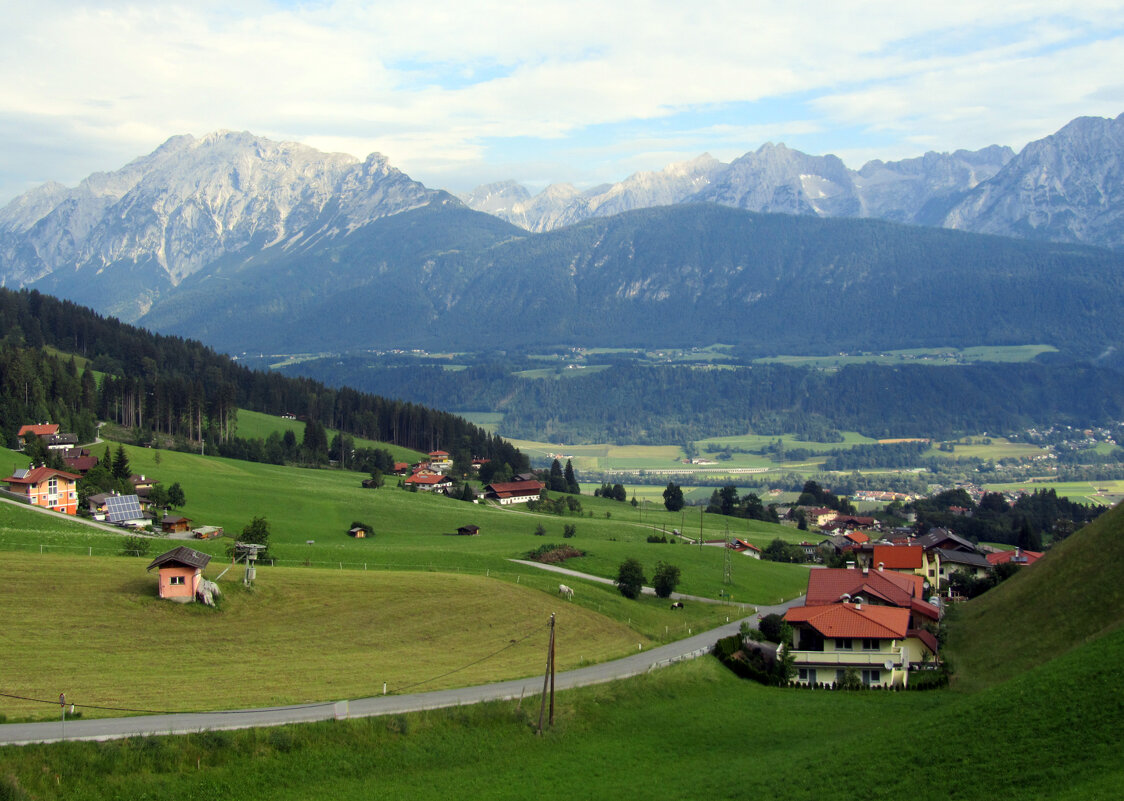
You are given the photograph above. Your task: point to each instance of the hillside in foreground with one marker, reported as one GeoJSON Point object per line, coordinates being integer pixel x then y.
{"type": "Point", "coordinates": [1038, 719]}
{"type": "Point", "coordinates": [1072, 596]}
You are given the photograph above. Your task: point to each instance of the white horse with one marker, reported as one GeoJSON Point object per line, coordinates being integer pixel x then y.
{"type": "Point", "coordinates": [567, 591]}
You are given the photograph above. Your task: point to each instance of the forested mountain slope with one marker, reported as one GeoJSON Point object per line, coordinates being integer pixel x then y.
{"type": "Point", "coordinates": [444, 277]}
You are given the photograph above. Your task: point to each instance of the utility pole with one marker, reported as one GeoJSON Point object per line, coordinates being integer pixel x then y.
{"type": "Point", "coordinates": [548, 679]}
{"type": "Point", "coordinates": [728, 563]}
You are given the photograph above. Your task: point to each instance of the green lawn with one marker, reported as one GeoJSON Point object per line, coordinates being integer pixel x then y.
{"type": "Point", "coordinates": [689, 731]}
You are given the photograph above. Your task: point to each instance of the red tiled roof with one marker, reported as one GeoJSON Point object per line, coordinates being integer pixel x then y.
{"type": "Point", "coordinates": [39, 429]}
{"type": "Point", "coordinates": [438, 453]}
{"type": "Point", "coordinates": [39, 475]}
{"type": "Point", "coordinates": [742, 545]}
{"type": "Point", "coordinates": [80, 463]}
{"type": "Point", "coordinates": [898, 557]}
{"type": "Point", "coordinates": [1002, 557]}
{"type": "Point", "coordinates": [926, 609]}
{"type": "Point", "coordinates": [857, 536]}
{"type": "Point", "coordinates": [427, 479]}
{"type": "Point", "coordinates": [828, 585]}
{"type": "Point", "coordinates": [848, 620]}
{"type": "Point", "coordinates": [926, 638]}
{"type": "Point", "coordinates": [516, 488]}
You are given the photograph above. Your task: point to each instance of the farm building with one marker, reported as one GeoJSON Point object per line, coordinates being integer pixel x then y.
{"type": "Point", "coordinates": [513, 492]}
{"type": "Point", "coordinates": [469, 530]}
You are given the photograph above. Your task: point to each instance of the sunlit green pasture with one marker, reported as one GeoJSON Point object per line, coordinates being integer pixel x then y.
{"type": "Point", "coordinates": [999, 448]}
{"type": "Point", "coordinates": [1099, 493]}
{"type": "Point", "coordinates": [925, 356]}
{"type": "Point", "coordinates": [255, 425]}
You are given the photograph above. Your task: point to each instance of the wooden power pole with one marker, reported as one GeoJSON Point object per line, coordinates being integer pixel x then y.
{"type": "Point", "coordinates": [548, 679]}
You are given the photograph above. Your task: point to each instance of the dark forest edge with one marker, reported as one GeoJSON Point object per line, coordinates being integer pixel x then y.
{"type": "Point", "coordinates": [644, 404]}
{"type": "Point", "coordinates": [169, 388]}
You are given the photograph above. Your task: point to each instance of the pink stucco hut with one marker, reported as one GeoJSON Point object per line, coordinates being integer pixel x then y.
{"type": "Point", "coordinates": [181, 570]}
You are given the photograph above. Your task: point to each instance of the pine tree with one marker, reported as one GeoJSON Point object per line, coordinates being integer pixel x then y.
{"type": "Point", "coordinates": [121, 467]}
{"type": "Point", "coordinates": [571, 479]}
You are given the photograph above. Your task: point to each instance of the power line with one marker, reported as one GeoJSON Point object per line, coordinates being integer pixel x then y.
{"type": "Point", "coordinates": [511, 644]}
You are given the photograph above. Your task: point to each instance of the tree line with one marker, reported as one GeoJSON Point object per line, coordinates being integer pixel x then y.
{"type": "Point", "coordinates": [168, 386]}
{"type": "Point", "coordinates": [673, 404]}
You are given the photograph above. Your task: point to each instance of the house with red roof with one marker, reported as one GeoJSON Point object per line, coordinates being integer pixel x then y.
{"type": "Point", "coordinates": [875, 641]}
{"type": "Point", "coordinates": [1017, 556]}
{"type": "Point", "coordinates": [747, 548]}
{"type": "Point", "coordinates": [46, 487]}
{"type": "Point", "coordinates": [429, 482]}
{"type": "Point", "coordinates": [440, 460]}
{"type": "Point", "coordinates": [904, 559]}
{"type": "Point", "coordinates": [874, 587]}
{"type": "Point", "coordinates": [44, 430]}
{"type": "Point", "coordinates": [509, 492]}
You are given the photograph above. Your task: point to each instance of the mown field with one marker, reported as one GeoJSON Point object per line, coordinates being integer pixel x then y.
{"type": "Point", "coordinates": [95, 629]}
{"type": "Point", "coordinates": [1034, 713]}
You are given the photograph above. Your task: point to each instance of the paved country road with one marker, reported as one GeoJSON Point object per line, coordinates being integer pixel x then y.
{"type": "Point", "coordinates": [185, 723]}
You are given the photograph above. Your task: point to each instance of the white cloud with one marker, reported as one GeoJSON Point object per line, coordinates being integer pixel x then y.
{"type": "Point", "coordinates": [435, 85]}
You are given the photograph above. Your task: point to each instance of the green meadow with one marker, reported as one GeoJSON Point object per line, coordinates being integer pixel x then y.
{"type": "Point", "coordinates": [931, 356]}
{"type": "Point", "coordinates": [1034, 712]}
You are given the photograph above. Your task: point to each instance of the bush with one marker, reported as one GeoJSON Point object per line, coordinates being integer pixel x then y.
{"type": "Point", "coordinates": [553, 554]}
{"type": "Point", "coordinates": [136, 546]}
{"type": "Point", "coordinates": [657, 538]}
{"type": "Point", "coordinates": [540, 531]}
{"type": "Point", "coordinates": [569, 531]}
{"type": "Point", "coordinates": [771, 627]}
{"type": "Point", "coordinates": [630, 578]}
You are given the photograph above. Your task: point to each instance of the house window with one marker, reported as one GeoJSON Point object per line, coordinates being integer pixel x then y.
{"type": "Point", "coordinates": [843, 644]}
{"type": "Point", "coordinates": [872, 676]}
{"type": "Point", "coordinates": [806, 674]}
{"type": "Point", "coordinates": [870, 644]}
{"type": "Point", "coordinates": [53, 486]}
{"type": "Point", "coordinates": [839, 676]}
{"type": "Point", "coordinates": [176, 580]}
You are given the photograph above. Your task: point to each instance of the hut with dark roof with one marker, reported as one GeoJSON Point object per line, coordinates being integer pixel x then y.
{"type": "Point", "coordinates": [181, 572]}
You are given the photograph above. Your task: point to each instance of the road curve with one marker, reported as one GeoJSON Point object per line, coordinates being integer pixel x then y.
{"type": "Point", "coordinates": [186, 723]}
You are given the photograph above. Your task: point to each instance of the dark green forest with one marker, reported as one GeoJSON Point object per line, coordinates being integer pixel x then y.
{"type": "Point", "coordinates": [175, 388]}
{"type": "Point", "coordinates": [676, 404]}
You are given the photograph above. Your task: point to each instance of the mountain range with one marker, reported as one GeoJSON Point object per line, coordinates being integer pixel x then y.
{"type": "Point", "coordinates": [257, 245]}
{"type": "Point", "coordinates": [1068, 187]}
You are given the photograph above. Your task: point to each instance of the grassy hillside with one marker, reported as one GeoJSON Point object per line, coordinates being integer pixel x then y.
{"type": "Point", "coordinates": [691, 731]}
{"type": "Point", "coordinates": [1073, 595]}
{"type": "Point", "coordinates": [83, 626]}
{"type": "Point", "coordinates": [413, 529]}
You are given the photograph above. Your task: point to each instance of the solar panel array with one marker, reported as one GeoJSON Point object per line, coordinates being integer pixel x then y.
{"type": "Point", "coordinates": [123, 508]}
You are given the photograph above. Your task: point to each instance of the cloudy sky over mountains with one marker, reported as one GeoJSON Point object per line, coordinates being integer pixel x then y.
{"type": "Point", "coordinates": [459, 93]}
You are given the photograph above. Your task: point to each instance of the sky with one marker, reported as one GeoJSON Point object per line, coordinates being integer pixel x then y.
{"type": "Point", "coordinates": [461, 93]}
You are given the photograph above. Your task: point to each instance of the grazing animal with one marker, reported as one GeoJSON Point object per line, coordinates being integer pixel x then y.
{"type": "Point", "coordinates": [567, 591]}
{"type": "Point", "coordinates": [677, 605]}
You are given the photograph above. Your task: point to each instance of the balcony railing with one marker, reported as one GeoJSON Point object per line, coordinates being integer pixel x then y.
{"type": "Point", "coordinates": [856, 658]}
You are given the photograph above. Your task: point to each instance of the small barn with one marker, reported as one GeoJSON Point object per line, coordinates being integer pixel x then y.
{"type": "Point", "coordinates": [181, 571]}
{"type": "Point", "coordinates": [175, 524]}
{"type": "Point", "coordinates": [469, 530]}
{"type": "Point", "coordinates": [359, 532]}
